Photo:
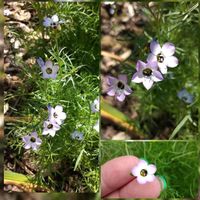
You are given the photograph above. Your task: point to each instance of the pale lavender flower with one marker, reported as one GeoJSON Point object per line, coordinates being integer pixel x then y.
{"type": "Point", "coordinates": [56, 114]}
{"type": "Point", "coordinates": [50, 127]}
{"type": "Point", "coordinates": [97, 126]}
{"type": "Point", "coordinates": [52, 21]}
{"type": "Point", "coordinates": [76, 135]}
{"type": "Point", "coordinates": [185, 96]}
{"type": "Point", "coordinates": [32, 141]}
{"type": "Point", "coordinates": [48, 69]}
{"type": "Point", "coordinates": [147, 73]}
{"type": "Point", "coordinates": [144, 172]}
{"type": "Point", "coordinates": [163, 55]}
{"type": "Point", "coordinates": [95, 105]}
{"type": "Point", "coordinates": [118, 87]}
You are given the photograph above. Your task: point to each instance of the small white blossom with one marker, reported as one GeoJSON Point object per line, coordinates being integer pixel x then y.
{"type": "Point", "coordinates": [144, 172]}
{"type": "Point", "coordinates": [52, 21]}
{"type": "Point", "coordinates": [50, 127]}
{"type": "Point", "coordinates": [76, 135]}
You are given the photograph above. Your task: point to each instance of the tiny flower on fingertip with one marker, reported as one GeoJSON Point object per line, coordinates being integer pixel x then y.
{"type": "Point", "coordinates": [48, 69]}
{"type": "Point", "coordinates": [185, 96]}
{"type": "Point", "coordinates": [147, 73]}
{"type": "Point", "coordinates": [163, 55]}
{"type": "Point", "coordinates": [118, 87]}
{"type": "Point", "coordinates": [76, 135]}
{"type": "Point", "coordinates": [95, 105]}
{"type": "Point", "coordinates": [56, 114]}
{"type": "Point", "coordinates": [32, 141]}
{"type": "Point", "coordinates": [144, 172]}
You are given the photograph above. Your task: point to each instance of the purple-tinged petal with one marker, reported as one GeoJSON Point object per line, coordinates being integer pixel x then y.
{"type": "Point", "coordinates": [136, 171]}
{"type": "Point", "coordinates": [111, 80]}
{"type": "Point", "coordinates": [140, 65]}
{"type": "Point", "coordinates": [155, 47]}
{"type": "Point", "coordinates": [153, 65]}
{"type": "Point", "coordinates": [40, 62]}
{"type": "Point", "coordinates": [151, 58]}
{"type": "Point", "coordinates": [26, 138]}
{"type": "Point", "coordinates": [48, 64]}
{"type": "Point", "coordinates": [162, 67]}
{"type": "Point", "coordinates": [171, 61]}
{"type": "Point", "coordinates": [34, 134]}
{"type": "Point", "coordinates": [121, 97]}
{"type": "Point", "coordinates": [148, 83]}
{"type": "Point", "coordinates": [27, 145]}
{"type": "Point", "coordinates": [127, 90]}
{"type": "Point", "coordinates": [123, 78]}
{"type": "Point", "coordinates": [47, 21]}
{"type": "Point", "coordinates": [35, 146]}
{"type": "Point", "coordinates": [38, 141]}
{"type": "Point", "coordinates": [111, 91]}
{"type": "Point", "coordinates": [168, 49]}
{"type": "Point", "coordinates": [157, 76]}
{"type": "Point", "coordinates": [137, 78]}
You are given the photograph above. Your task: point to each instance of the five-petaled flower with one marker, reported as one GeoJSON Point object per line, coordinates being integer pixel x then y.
{"type": "Point", "coordinates": [163, 55]}
{"type": "Point", "coordinates": [56, 114]}
{"type": "Point", "coordinates": [50, 127]}
{"type": "Point", "coordinates": [52, 21]}
{"type": "Point", "coordinates": [185, 96]}
{"type": "Point", "coordinates": [147, 73]}
{"type": "Point", "coordinates": [144, 172]}
{"type": "Point", "coordinates": [118, 87]}
{"type": "Point", "coordinates": [32, 141]}
{"type": "Point", "coordinates": [95, 105]}
{"type": "Point", "coordinates": [76, 135]}
{"type": "Point", "coordinates": [48, 69]}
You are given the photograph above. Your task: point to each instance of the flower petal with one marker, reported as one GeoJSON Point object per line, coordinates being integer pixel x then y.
{"type": "Point", "coordinates": [140, 65]}
{"type": "Point", "coordinates": [40, 62]}
{"type": "Point", "coordinates": [155, 47]}
{"type": "Point", "coordinates": [55, 18]}
{"type": "Point", "coordinates": [62, 115]}
{"type": "Point", "coordinates": [141, 180]}
{"type": "Point", "coordinates": [171, 61]}
{"type": "Point", "coordinates": [121, 97]}
{"type": "Point", "coordinates": [34, 134]}
{"type": "Point", "coordinates": [151, 169]}
{"type": "Point", "coordinates": [27, 145]}
{"type": "Point", "coordinates": [38, 141]}
{"type": "Point", "coordinates": [150, 178]}
{"type": "Point", "coordinates": [168, 49]}
{"type": "Point", "coordinates": [111, 80]}
{"type": "Point", "coordinates": [148, 83]}
{"type": "Point", "coordinates": [47, 22]}
{"type": "Point", "coordinates": [111, 91]}
{"type": "Point", "coordinates": [137, 78]}
{"type": "Point", "coordinates": [157, 76]}
{"type": "Point", "coordinates": [48, 64]}
{"type": "Point", "coordinates": [123, 78]}
{"type": "Point", "coordinates": [162, 67]}
{"type": "Point", "coordinates": [127, 90]}
{"type": "Point", "coordinates": [151, 58]}
{"type": "Point", "coordinates": [58, 109]}
{"type": "Point", "coordinates": [136, 171]}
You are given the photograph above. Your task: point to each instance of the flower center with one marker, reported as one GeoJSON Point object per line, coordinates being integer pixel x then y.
{"type": "Point", "coordinates": [143, 172]}
{"type": "Point", "coordinates": [32, 139]}
{"type": "Point", "coordinates": [147, 72]}
{"type": "Point", "coordinates": [160, 58]}
{"type": "Point", "coordinates": [50, 126]}
{"type": "Point", "coordinates": [49, 71]}
{"type": "Point", "coordinates": [55, 115]}
{"type": "Point", "coordinates": [120, 85]}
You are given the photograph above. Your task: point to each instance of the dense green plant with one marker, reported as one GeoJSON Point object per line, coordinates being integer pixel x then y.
{"type": "Point", "coordinates": [74, 47]}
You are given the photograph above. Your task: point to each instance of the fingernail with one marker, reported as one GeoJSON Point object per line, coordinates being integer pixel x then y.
{"type": "Point", "coordinates": [163, 182]}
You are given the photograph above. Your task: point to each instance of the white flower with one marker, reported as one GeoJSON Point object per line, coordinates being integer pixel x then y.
{"type": "Point", "coordinates": [97, 126]}
{"type": "Point", "coordinates": [48, 69]}
{"type": "Point", "coordinates": [143, 172]}
{"type": "Point", "coordinates": [50, 127]}
{"type": "Point", "coordinates": [95, 105]}
{"type": "Point", "coordinates": [76, 135]}
{"type": "Point", "coordinates": [56, 114]}
{"type": "Point", "coordinates": [147, 73]}
{"type": "Point", "coordinates": [32, 141]}
{"type": "Point", "coordinates": [118, 87]}
{"type": "Point", "coordinates": [163, 55]}
{"type": "Point", "coordinates": [52, 21]}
